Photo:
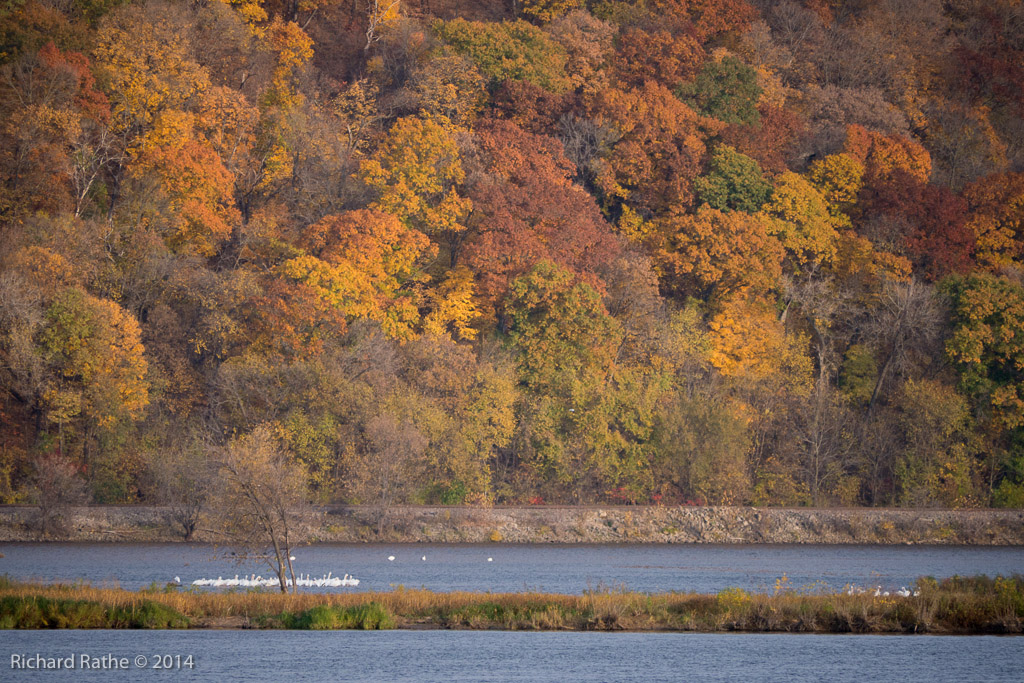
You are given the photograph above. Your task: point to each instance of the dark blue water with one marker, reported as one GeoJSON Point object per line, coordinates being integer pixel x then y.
{"type": "Point", "coordinates": [455, 656]}
{"type": "Point", "coordinates": [551, 568]}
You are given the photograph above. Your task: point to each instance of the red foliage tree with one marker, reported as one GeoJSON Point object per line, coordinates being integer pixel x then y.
{"type": "Point", "coordinates": [530, 106]}
{"type": "Point", "coordinates": [527, 209]}
{"type": "Point", "coordinates": [657, 56]}
{"type": "Point", "coordinates": [936, 238]}
{"type": "Point", "coordinates": [773, 142]}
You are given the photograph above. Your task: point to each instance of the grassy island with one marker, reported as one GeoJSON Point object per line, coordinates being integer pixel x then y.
{"type": "Point", "coordinates": [958, 605]}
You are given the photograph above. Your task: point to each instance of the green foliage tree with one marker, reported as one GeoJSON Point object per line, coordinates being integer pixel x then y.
{"type": "Point", "coordinates": [726, 90]}
{"type": "Point", "coordinates": [558, 327]}
{"type": "Point", "coordinates": [517, 51]}
{"type": "Point", "coordinates": [938, 464]}
{"type": "Point", "coordinates": [734, 182]}
{"type": "Point", "coordinates": [564, 342]}
{"type": "Point", "coordinates": [547, 10]}
{"type": "Point", "coordinates": [703, 450]}
{"type": "Point", "coordinates": [986, 347]}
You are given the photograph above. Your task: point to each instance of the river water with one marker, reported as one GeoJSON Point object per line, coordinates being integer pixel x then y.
{"type": "Point", "coordinates": [454, 656]}
{"type": "Point", "coordinates": [508, 568]}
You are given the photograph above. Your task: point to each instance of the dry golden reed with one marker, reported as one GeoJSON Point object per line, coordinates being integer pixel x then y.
{"type": "Point", "coordinates": [957, 605]}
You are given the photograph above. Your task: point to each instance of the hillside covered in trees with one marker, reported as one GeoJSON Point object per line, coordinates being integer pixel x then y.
{"type": "Point", "coordinates": [442, 251]}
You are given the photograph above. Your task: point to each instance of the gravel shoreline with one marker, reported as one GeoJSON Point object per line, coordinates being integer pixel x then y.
{"type": "Point", "coordinates": [543, 524]}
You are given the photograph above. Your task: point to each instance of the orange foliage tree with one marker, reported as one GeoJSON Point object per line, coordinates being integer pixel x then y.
{"type": "Point", "coordinates": [659, 151]}
{"type": "Point", "coordinates": [712, 254]}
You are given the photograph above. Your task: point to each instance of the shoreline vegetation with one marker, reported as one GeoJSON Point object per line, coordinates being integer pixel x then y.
{"type": "Point", "coordinates": [957, 605]}
{"type": "Point", "coordinates": [549, 524]}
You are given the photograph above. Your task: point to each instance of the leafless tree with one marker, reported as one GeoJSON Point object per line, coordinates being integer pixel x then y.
{"type": "Point", "coordinates": [905, 326]}
{"type": "Point", "coordinates": [822, 306]}
{"type": "Point", "coordinates": [377, 13]}
{"type": "Point", "coordinates": [877, 443]}
{"type": "Point", "coordinates": [822, 437]}
{"type": "Point", "coordinates": [260, 502]}
{"type": "Point", "coordinates": [23, 372]}
{"type": "Point", "coordinates": [382, 473]}
{"type": "Point", "coordinates": [59, 487]}
{"type": "Point", "coordinates": [184, 480]}
{"type": "Point", "coordinates": [585, 141]}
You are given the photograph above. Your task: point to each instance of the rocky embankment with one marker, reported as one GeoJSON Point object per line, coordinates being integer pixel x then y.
{"type": "Point", "coordinates": [560, 525]}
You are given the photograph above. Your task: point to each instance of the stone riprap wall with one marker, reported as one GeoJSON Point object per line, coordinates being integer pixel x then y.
{"type": "Point", "coordinates": [563, 525]}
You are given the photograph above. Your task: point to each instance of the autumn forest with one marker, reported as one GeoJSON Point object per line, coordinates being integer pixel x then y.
{"type": "Point", "coordinates": [514, 251]}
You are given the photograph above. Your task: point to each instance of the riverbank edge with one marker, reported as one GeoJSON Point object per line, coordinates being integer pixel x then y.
{"type": "Point", "coordinates": [549, 524]}
{"type": "Point", "coordinates": [952, 606]}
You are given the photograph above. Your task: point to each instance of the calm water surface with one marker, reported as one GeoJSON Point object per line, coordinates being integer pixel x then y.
{"type": "Point", "coordinates": [552, 568]}
{"type": "Point", "coordinates": [445, 656]}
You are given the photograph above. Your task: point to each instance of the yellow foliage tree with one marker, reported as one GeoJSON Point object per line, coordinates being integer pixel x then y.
{"type": "Point", "coordinates": [748, 341]}
{"type": "Point", "coordinates": [292, 47]}
{"type": "Point", "coordinates": [452, 308]}
{"type": "Point", "coordinates": [95, 349]}
{"type": "Point", "coordinates": [144, 60]}
{"type": "Point", "coordinates": [997, 218]}
{"type": "Point", "coordinates": [798, 215]}
{"type": "Point", "coordinates": [714, 253]}
{"type": "Point", "coordinates": [863, 269]}
{"type": "Point", "coordinates": [364, 263]}
{"type": "Point", "coordinates": [839, 178]}
{"type": "Point", "coordinates": [416, 172]}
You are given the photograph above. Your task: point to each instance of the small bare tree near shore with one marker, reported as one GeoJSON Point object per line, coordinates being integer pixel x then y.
{"type": "Point", "coordinates": [383, 474]}
{"type": "Point", "coordinates": [58, 487]}
{"type": "Point", "coordinates": [184, 476]}
{"type": "Point", "coordinates": [260, 501]}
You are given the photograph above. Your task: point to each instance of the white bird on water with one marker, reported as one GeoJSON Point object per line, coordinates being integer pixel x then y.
{"type": "Point", "coordinates": [391, 558]}
{"type": "Point", "coordinates": [490, 559]}
{"type": "Point", "coordinates": [424, 558]}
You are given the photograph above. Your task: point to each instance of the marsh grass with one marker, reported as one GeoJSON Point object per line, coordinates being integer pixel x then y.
{"type": "Point", "coordinates": [956, 605]}
{"type": "Point", "coordinates": [371, 616]}
{"type": "Point", "coordinates": [40, 612]}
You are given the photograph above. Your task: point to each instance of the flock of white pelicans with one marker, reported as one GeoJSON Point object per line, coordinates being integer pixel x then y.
{"type": "Point", "coordinates": [328, 580]}
{"type": "Point", "coordinates": [252, 581]}
{"type": "Point", "coordinates": [903, 592]}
